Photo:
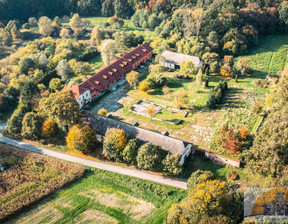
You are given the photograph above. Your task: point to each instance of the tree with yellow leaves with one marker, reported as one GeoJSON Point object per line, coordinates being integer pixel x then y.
{"type": "Point", "coordinates": [205, 202]}
{"type": "Point", "coordinates": [102, 112]}
{"type": "Point", "coordinates": [133, 78]}
{"type": "Point", "coordinates": [143, 86]}
{"type": "Point", "coordinates": [151, 111]}
{"type": "Point", "coordinates": [82, 138]}
{"type": "Point", "coordinates": [114, 144]}
{"type": "Point", "coordinates": [48, 129]}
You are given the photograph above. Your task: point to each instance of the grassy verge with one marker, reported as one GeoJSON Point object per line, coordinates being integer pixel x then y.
{"type": "Point", "coordinates": [105, 197]}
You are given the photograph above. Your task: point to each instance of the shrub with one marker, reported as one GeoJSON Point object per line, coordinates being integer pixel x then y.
{"type": "Point", "coordinates": [26, 64]}
{"type": "Point", "coordinates": [114, 144]}
{"type": "Point", "coordinates": [130, 151]}
{"type": "Point", "coordinates": [143, 86]}
{"type": "Point", "coordinates": [199, 177]}
{"type": "Point", "coordinates": [211, 101]}
{"type": "Point", "coordinates": [150, 157]}
{"type": "Point", "coordinates": [171, 165]}
{"type": "Point", "coordinates": [49, 128]}
{"type": "Point", "coordinates": [102, 112]}
{"type": "Point", "coordinates": [82, 138]}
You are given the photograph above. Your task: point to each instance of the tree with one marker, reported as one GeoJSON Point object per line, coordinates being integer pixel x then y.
{"type": "Point", "coordinates": [14, 123]}
{"type": "Point", "coordinates": [156, 68]}
{"type": "Point", "coordinates": [61, 108]}
{"type": "Point", "coordinates": [76, 24]}
{"type": "Point", "coordinates": [165, 90]}
{"type": "Point", "coordinates": [114, 144]}
{"type": "Point", "coordinates": [123, 9]}
{"type": "Point", "coordinates": [28, 90]}
{"type": "Point", "coordinates": [143, 86]}
{"type": "Point", "coordinates": [208, 199]}
{"type": "Point", "coordinates": [156, 79]}
{"type": "Point", "coordinates": [55, 84]}
{"type": "Point", "coordinates": [211, 101]}
{"type": "Point", "coordinates": [199, 177]}
{"type": "Point", "coordinates": [63, 69]}
{"type": "Point", "coordinates": [150, 157]}
{"type": "Point", "coordinates": [107, 8]}
{"type": "Point", "coordinates": [226, 70]}
{"type": "Point", "coordinates": [133, 78]}
{"type": "Point", "coordinates": [180, 98]}
{"type": "Point", "coordinates": [64, 33]}
{"type": "Point", "coordinates": [48, 129]}
{"type": "Point", "coordinates": [109, 50]}
{"type": "Point", "coordinates": [31, 126]}
{"type": "Point", "coordinates": [26, 64]}
{"type": "Point", "coordinates": [131, 150]}
{"type": "Point", "coordinates": [97, 35]}
{"type": "Point", "coordinates": [81, 138]}
{"type": "Point", "coordinates": [32, 22]}
{"type": "Point", "coordinates": [102, 112]}
{"type": "Point", "coordinates": [187, 68]}
{"type": "Point", "coordinates": [45, 26]}
{"type": "Point", "coordinates": [151, 111]}
{"type": "Point", "coordinates": [243, 66]}
{"type": "Point", "coordinates": [283, 12]}
{"type": "Point", "coordinates": [199, 78]}
{"type": "Point", "coordinates": [243, 133]}
{"type": "Point", "coordinates": [171, 165]}
{"type": "Point", "coordinates": [82, 68]}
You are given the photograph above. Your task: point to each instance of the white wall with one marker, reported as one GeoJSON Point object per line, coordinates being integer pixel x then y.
{"type": "Point", "coordinates": [86, 95]}
{"type": "Point", "coordinates": [185, 155]}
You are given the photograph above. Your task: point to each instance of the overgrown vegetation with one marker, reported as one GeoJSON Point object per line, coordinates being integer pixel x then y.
{"type": "Point", "coordinates": [30, 177]}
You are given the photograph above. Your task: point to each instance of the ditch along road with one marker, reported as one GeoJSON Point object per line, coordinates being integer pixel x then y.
{"type": "Point", "coordinates": [174, 182]}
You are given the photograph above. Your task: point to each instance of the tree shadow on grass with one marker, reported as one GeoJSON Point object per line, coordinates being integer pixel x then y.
{"type": "Point", "coordinates": [231, 98]}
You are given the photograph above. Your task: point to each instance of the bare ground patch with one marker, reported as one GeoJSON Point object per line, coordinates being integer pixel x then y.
{"type": "Point", "coordinates": [136, 208]}
{"type": "Point", "coordinates": [95, 216]}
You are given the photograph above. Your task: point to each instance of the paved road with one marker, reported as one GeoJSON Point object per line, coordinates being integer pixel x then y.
{"type": "Point", "coordinates": [174, 182]}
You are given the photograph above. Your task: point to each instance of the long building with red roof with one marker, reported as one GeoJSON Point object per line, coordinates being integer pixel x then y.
{"type": "Point", "coordinates": [93, 86]}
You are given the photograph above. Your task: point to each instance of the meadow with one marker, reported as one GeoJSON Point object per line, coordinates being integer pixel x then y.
{"type": "Point", "coordinates": [269, 57]}
{"type": "Point", "coordinates": [30, 177]}
{"type": "Point", "coordinates": [104, 197]}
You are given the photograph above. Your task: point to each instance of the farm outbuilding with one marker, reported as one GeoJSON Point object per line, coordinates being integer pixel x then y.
{"type": "Point", "coordinates": [173, 60]}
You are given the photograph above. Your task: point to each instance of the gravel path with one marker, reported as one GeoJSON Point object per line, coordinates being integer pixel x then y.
{"type": "Point", "coordinates": [174, 182]}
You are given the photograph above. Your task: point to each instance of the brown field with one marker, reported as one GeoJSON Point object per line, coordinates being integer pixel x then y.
{"type": "Point", "coordinates": [30, 177]}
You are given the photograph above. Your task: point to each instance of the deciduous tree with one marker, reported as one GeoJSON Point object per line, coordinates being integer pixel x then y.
{"type": "Point", "coordinates": [45, 26]}
{"type": "Point", "coordinates": [81, 138]}
{"type": "Point", "coordinates": [133, 78]}
{"type": "Point", "coordinates": [31, 126]}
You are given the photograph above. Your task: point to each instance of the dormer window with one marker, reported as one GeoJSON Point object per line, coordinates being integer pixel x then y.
{"type": "Point", "coordinates": [137, 55]}
{"type": "Point", "coordinates": [144, 50]}
{"type": "Point", "coordinates": [114, 70]}
{"type": "Point", "coordinates": [125, 62]}
{"type": "Point", "coordinates": [121, 65]}
{"type": "Point", "coordinates": [97, 82]}
{"type": "Point", "coordinates": [110, 73]}
{"type": "Point", "coordinates": [105, 76]}
{"type": "Point", "coordinates": [129, 60]}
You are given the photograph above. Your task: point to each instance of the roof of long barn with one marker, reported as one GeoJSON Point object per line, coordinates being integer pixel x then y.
{"type": "Point", "coordinates": [110, 74]}
{"type": "Point", "coordinates": [101, 124]}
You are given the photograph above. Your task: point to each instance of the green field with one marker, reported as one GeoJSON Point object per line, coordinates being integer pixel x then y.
{"type": "Point", "coordinates": [270, 56]}
{"type": "Point", "coordinates": [104, 197]}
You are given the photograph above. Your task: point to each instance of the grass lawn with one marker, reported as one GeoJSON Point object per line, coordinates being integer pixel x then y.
{"type": "Point", "coordinates": [30, 177]}
{"type": "Point", "coordinates": [105, 197]}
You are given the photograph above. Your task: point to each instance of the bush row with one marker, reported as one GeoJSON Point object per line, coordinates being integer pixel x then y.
{"type": "Point", "coordinates": [216, 95]}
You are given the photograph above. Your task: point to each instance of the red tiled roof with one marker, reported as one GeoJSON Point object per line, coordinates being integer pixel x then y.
{"type": "Point", "coordinates": [112, 73]}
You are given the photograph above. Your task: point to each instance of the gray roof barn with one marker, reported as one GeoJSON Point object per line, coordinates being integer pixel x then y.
{"type": "Point", "coordinates": [101, 124]}
{"type": "Point", "coordinates": [177, 58]}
